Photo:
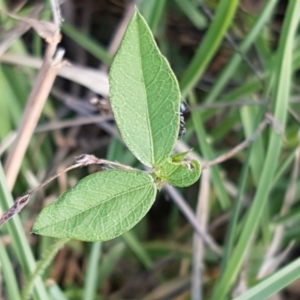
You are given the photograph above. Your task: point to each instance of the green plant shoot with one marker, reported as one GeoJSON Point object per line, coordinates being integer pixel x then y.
{"type": "Point", "coordinates": [145, 99]}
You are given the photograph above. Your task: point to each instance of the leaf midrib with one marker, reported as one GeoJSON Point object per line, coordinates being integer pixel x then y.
{"type": "Point", "coordinates": [144, 86]}
{"type": "Point", "coordinates": [97, 204]}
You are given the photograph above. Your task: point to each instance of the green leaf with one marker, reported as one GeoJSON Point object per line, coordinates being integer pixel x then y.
{"type": "Point", "coordinates": [179, 157]}
{"type": "Point", "coordinates": [179, 173]}
{"type": "Point", "coordinates": [100, 207]}
{"type": "Point", "coordinates": [145, 95]}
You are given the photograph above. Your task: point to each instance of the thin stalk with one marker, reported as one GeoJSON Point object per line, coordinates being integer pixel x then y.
{"type": "Point", "coordinates": [232, 228]}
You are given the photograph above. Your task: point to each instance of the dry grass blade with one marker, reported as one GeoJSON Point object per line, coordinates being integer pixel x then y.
{"type": "Point", "coordinates": [35, 104]}
{"type": "Point", "coordinates": [45, 29]}
{"type": "Point", "coordinates": [54, 125]}
{"type": "Point", "coordinates": [239, 147]}
{"type": "Point", "coordinates": [186, 210]}
{"type": "Point", "coordinates": [198, 247]}
{"type": "Point", "coordinates": [93, 79]}
{"type": "Point", "coordinates": [82, 160]}
{"type": "Point", "coordinates": [271, 260]}
{"type": "Point", "coordinates": [33, 109]}
{"type": "Point", "coordinates": [16, 208]}
{"type": "Point", "coordinates": [18, 30]}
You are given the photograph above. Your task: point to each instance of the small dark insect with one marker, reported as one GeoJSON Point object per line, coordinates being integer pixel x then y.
{"type": "Point", "coordinates": [182, 129]}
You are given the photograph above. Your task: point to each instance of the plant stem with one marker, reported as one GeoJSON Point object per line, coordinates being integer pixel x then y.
{"type": "Point", "coordinates": [41, 266]}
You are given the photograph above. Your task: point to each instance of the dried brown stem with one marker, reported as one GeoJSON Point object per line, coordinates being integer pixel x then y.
{"type": "Point", "coordinates": [16, 208]}
{"type": "Point", "coordinates": [35, 103]}
{"type": "Point", "coordinates": [189, 214]}
{"type": "Point", "coordinates": [239, 147]}
{"type": "Point", "coordinates": [56, 13]}
{"type": "Point", "coordinates": [82, 160]}
{"type": "Point", "coordinates": [18, 30]}
{"type": "Point", "coordinates": [93, 79]}
{"type": "Point", "coordinates": [202, 211]}
{"type": "Point", "coordinates": [87, 159]}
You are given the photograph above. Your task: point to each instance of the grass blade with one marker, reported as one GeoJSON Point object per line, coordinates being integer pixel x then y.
{"type": "Point", "coordinates": [91, 275]}
{"type": "Point", "coordinates": [134, 244]}
{"type": "Point", "coordinates": [209, 45]}
{"type": "Point", "coordinates": [235, 60]}
{"type": "Point", "coordinates": [19, 240]}
{"type": "Point", "coordinates": [9, 275]}
{"type": "Point", "coordinates": [282, 85]}
{"type": "Point", "coordinates": [87, 43]}
{"type": "Point", "coordinates": [192, 12]}
{"type": "Point", "coordinates": [152, 11]}
{"type": "Point", "coordinates": [209, 155]}
{"type": "Point", "coordinates": [274, 283]}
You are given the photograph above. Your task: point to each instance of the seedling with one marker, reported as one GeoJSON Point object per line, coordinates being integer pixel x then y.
{"type": "Point", "coordinates": [146, 102]}
{"type": "Point", "coordinates": [147, 105]}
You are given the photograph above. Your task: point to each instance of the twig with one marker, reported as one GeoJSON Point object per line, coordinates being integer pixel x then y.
{"type": "Point", "coordinates": [84, 109]}
{"type": "Point", "coordinates": [18, 30]}
{"type": "Point", "coordinates": [198, 249]}
{"type": "Point", "coordinates": [269, 119]}
{"type": "Point", "coordinates": [79, 121]}
{"type": "Point", "coordinates": [222, 105]}
{"type": "Point", "coordinates": [7, 141]}
{"type": "Point", "coordinates": [30, 117]}
{"type": "Point", "coordinates": [87, 159]}
{"type": "Point", "coordinates": [57, 19]}
{"type": "Point", "coordinates": [91, 78]}
{"type": "Point", "coordinates": [186, 210]}
{"type": "Point", "coordinates": [16, 208]}
{"type": "Point", "coordinates": [36, 100]}
{"type": "Point", "coordinates": [271, 263]}
{"type": "Point", "coordinates": [239, 147]}
{"type": "Point", "coordinates": [82, 160]}
{"type": "Point", "coordinates": [118, 35]}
